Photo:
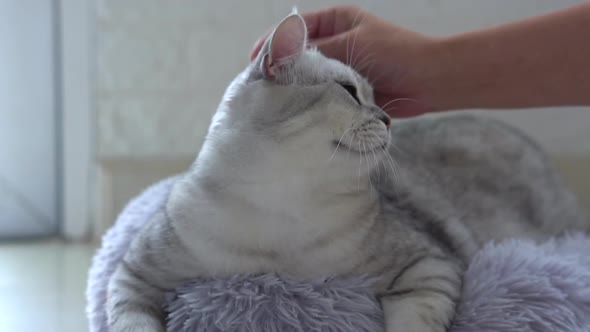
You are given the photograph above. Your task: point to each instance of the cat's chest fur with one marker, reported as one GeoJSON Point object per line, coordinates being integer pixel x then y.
{"type": "Point", "coordinates": [298, 230]}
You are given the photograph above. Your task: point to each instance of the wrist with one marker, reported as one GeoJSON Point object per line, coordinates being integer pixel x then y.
{"type": "Point", "coordinates": [445, 82]}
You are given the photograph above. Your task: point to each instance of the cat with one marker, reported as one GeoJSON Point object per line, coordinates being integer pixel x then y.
{"type": "Point", "coordinates": [301, 174]}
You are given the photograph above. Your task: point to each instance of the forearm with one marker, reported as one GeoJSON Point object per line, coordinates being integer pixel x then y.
{"type": "Point", "coordinates": [536, 62]}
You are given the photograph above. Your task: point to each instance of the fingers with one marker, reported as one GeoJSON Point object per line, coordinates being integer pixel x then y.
{"type": "Point", "coordinates": [323, 24]}
{"type": "Point", "coordinates": [331, 21]}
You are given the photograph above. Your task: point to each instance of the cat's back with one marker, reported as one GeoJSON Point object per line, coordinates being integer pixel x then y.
{"type": "Point", "coordinates": [487, 174]}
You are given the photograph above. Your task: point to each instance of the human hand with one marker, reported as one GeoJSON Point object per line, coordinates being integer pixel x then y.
{"type": "Point", "coordinates": [396, 61]}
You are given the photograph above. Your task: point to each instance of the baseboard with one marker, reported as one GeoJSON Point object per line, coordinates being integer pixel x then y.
{"type": "Point", "coordinates": [119, 180]}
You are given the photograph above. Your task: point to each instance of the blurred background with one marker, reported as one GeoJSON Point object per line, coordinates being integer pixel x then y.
{"type": "Point", "coordinates": [100, 98]}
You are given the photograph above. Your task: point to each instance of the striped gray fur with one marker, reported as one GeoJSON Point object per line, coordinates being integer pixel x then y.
{"type": "Point", "coordinates": [294, 179]}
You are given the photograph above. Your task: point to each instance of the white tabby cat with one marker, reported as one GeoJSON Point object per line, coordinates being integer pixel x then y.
{"type": "Point", "coordinates": [296, 177]}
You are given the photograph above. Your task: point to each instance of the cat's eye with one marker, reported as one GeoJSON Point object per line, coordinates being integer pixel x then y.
{"type": "Point", "coordinates": [351, 89]}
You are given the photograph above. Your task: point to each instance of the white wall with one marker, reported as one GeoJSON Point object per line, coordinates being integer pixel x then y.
{"type": "Point", "coordinates": [164, 64]}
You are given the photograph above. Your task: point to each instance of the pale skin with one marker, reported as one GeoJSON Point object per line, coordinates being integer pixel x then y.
{"type": "Point", "coordinates": [535, 62]}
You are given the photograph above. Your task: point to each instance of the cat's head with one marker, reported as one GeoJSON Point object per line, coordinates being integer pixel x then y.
{"type": "Point", "coordinates": [300, 107]}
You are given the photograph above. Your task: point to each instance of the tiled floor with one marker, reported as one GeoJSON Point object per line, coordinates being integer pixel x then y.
{"type": "Point", "coordinates": [42, 286]}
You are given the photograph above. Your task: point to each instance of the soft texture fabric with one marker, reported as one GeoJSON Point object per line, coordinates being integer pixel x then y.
{"type": "Point", "coordinates": [511, 286]}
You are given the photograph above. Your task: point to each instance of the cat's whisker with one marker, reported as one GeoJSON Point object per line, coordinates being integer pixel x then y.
{"type": "Point", "coordinates": [393, 168]}
{"type": "Point", "coordinates": [367, 63]}
{"type": "Point", "coordinates": [398, 99]}
{"type": "Point", "coordinates": [352, 25]}
{"type": "Point", "coordinates": [389, 109]}
{"type": "Point", "coordinates": [391, 161]}
{"type": "Point", "coordinates": [368, 55]}
{"type": "Point", "coordinates": [407, 99]}
{"type": "Point", "coordinates": [396, 173]}
{"type": "Point", "coordinates": [352, 49]}
{"type": "Point", "coordinates": [377, 136]}
{"type": "Point", "coordinates": [370, 69]}
{"type": "Point", "coordinates": [389, 158]}
{"type": "Point", "coordinates": [387, 163]}
{"type": "Point", "coordinates": [377, 165]}
{"type": "Point", "coordinates": [363, 155]}
{"type": "Point", "coordinates": [393, 145]}
{"type": "Point", "coordinates": [338, 145]}
{"type": "Point", "coordinates": [350, 145]}
{"type": "Point", "coordinates": [380, 76]}
{"type": "Point", "coordinates": [356, 33]}
{"type": "Point", "coordinates": [360, 166]}
{"type": "Point", "coordinates": [364, 49]}
{"type": "Point", "coordinates": [368, 164]}
{"type": "Point", "coordinates": [373, 141]}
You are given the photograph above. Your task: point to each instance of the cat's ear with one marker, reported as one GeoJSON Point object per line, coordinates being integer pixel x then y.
{"type": "Point", "coordinates": [286, 43]}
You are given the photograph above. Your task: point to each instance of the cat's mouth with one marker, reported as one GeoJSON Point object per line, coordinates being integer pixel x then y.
{"type": "Point", "coordinates": [368, 137]}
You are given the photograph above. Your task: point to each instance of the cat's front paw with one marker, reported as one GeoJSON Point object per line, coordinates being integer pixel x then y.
{"type": "Point", "coordinates": [136, 323]}
{"type": "Point", "coordinates": [414, 313]}
{"type": "Point", "coordinates": [413, 324]}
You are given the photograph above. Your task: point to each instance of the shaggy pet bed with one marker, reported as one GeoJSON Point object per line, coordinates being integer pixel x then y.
{"type": "Point", "coordinates": [511, 286]}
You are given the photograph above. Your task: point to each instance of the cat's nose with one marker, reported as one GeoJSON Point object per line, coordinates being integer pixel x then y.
{"type": "Point", "coordinates": [385, 119]}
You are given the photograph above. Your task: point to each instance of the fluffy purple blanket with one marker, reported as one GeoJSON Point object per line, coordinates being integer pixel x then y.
{"type": "Point", "coordinates": [510, 286]}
